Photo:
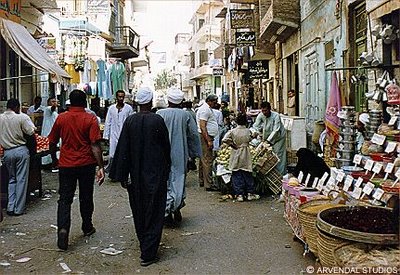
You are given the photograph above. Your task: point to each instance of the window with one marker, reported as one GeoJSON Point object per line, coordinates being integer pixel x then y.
{"type": "Point", "coordinates": [201, 23]}
{"type": "Point", "coordinates": [192, 60]}
{"type": "Point", "coordinates": [203, 57]}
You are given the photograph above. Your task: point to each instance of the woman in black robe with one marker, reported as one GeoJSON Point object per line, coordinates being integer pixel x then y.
{"type": "Point", "coordinates": [143, 152]}
{"type": "Point", "coordinates": [309, 163]}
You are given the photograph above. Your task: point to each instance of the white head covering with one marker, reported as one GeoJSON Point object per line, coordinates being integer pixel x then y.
{"type": "Point", "coordinates": [364, 118]}
{"type": "Point", "coordinates": [175, 95]}
{"type": "Point", "coordinates": [144, 95]}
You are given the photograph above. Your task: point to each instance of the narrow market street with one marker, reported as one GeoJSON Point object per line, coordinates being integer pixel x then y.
{"type": "Point", "coordinates": [214, 238]}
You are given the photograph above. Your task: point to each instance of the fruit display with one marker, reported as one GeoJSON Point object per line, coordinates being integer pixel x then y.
{"type": "Point", "coordinates": [42, 143]}
{"type": "Point", "coordinates": [224, 155]}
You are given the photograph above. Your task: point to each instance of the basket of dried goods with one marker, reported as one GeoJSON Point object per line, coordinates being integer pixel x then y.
{"type": "Point", "coordinates": [307, 213]}
{"type": "Point", "coordinates": [362, 256]}
{"type": "Point", "coordinates": [363, 224]}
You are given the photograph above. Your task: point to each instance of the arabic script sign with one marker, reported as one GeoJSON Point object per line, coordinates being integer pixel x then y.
{"type": "Point", "coordinates": [218, 71]}
{"type": "Point", "coordinates": [11, 10]}
{"type": "Point", "coordinates": [258, 69]}
{"type": "Point", "coordinates": [245, 38]}
{"type": "Point", "coordinates": [243, 18]}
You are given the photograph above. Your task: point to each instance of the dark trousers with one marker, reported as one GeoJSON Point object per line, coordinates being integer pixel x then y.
{"type": "Point", "coordinates": [69, 177]}
{"type": "Point", "coordinates": [148, 211]}
{"type": "Point", "coordinates": [242, 181]}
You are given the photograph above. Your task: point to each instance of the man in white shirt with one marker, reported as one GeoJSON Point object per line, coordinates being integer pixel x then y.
{"type": "Point", "coordinates": [116, 115]}
{"type": "Point", "coordinates": [13, 126]}
{"type": "Point", "coordinates": [208, 128]}
{"type": "Point", "coordinates": [36, 107]}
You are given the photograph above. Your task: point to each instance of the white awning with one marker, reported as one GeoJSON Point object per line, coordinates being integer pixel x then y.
{"type": "Point", "coordinates": [20, 40]}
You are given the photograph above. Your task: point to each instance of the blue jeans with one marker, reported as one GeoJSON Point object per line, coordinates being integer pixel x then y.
{"type": "Point", "coordinates": [68, 178]}
{"type": "Point", "coordinates": [242, 182]}
{"type": "Point", "coordinates": [17, 163]}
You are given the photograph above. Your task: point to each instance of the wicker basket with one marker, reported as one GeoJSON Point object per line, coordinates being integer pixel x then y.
{"type": "Point", "coordinates": [352, 235]}
{"type": "Point", "coordinates": [308, 221]}
{"type": "Point", "coordinates": [327, 245]}
{"type": "Point", "coordinates": [361, 255]}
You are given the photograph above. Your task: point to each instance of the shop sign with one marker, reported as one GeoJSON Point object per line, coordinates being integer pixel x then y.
{"type": "Point", "coordinates": [11, 10]}
{"type": "Point", "coordinates": [99, 12]}
{"type": "Point", "coordinates": [258, 69]}
{"type": "Point", "coordinates": [218, 71]}
{"type": "Point", "coordinates": [49, 45]}
{"type": "Point", "coordinates": [245, 38]}
{"type": "Point", "coordinates": [243, 18]}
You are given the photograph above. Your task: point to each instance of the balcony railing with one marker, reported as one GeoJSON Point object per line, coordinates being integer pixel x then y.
{"type": "Point", "coordinates": [126, 43]}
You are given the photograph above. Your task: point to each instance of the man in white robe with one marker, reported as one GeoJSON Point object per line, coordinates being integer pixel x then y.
{"type": "Point", "coordinates": [50, 115]}
{"type": "Point", "coordinates": [185, 143]}
{"type": "Point", "coordinates": [116, 115]}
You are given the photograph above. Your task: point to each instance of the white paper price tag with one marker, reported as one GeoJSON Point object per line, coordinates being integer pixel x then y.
{"type": "Point", "coordinates": [392, 120]}
{"type": "Point", "coordinates": [315, 183]}
{"type": "Point", "coordinates": [356, 193]}
{"type": "Point", "coordinates": [320, 185]}
{"type": "Point", "coordinates": [378, 139]}
{"type": "Point", "coordinates": [369, 164]}
{"type": "Point", "coordinates": [325, 191]}
{"type": "Point", "coordinates": [389, 168]}
{"type": "Point", "coordinates": [358, 182]}
{"type": "Point", "coordinates": [300, 177]}
{"type": "Point", "coordinates": [340, 176]}
{"type": "Point", "coordinates": [331, 182]}
{"type": "Point", "coordinates": [324, 177]}
{"type": "Point", "coordinates": [377, 168]}
{"type": "Point", "coordinates": [390, 147]}
{"type": "Point", "coordinates": [347, 183]}
{"type": "Point", "coordinates": [357, 159]}
{"type": "Point", "coordinates": [378, 194]}
{"type": "Point", "coordinates": [307, 179]}
{"type": "Point", "coordinates": [368, 188]}
{"type": "Point", "coordinates": [397, 174]}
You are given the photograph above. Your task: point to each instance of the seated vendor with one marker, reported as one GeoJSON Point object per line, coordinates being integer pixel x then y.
{"type": "Point", "coordinates": [309, 163]}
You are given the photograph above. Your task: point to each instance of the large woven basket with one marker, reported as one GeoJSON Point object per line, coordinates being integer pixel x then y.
{"type": "Point", "coordinates": [327, 245]}
{"type": "Point", "coordinates": [361, 255]}
{"type": "Point", "coordinates": [307, 213]}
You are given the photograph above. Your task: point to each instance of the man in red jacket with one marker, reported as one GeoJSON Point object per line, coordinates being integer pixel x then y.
{"type": "Point", "coordinates": [80, 152]}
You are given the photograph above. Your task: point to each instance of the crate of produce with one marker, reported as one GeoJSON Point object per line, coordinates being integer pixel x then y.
{"type": "Point", "coordinates": [270, 181]}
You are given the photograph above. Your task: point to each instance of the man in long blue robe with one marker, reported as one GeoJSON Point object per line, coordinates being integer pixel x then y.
{"type": "Point", "coordinates": [185, 144]}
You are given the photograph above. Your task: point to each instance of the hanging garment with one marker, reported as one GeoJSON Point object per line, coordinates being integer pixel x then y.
{"type": "Point", "coordinates": [107, 88]}
{"type": "Point", "coordinates": [70, 69]}
{"type": "Point", "coordinates": [101, 76]}
{"type": "Point", "coordinates": [86, 71]}
{"type": "Point", "coordinates": [118, 76]}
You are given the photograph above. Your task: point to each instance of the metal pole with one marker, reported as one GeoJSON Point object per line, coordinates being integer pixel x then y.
{"type": "Point", "coordinates": [21, 76]}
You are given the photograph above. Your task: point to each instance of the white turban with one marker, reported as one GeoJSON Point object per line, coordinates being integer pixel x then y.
{"type": "Point", "coordinates": [144, 95]}
{"type": "Point", "coordinates": [364, 118]}
{"type": "Point", "coordinates": [175, 95]}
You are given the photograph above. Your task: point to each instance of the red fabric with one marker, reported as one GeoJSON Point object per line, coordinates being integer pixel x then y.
{"type": "Point", "coordinates": [77, 130]}
{"type": "Point", "coordinates": [332, 122]}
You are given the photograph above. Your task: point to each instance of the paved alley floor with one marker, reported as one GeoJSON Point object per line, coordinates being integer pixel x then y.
{"type": "Point", "coordinates": [214, 237]}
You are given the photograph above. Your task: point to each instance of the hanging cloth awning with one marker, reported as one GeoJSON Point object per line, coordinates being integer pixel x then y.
{"type": "Point", "coordinates": [20, 40]}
